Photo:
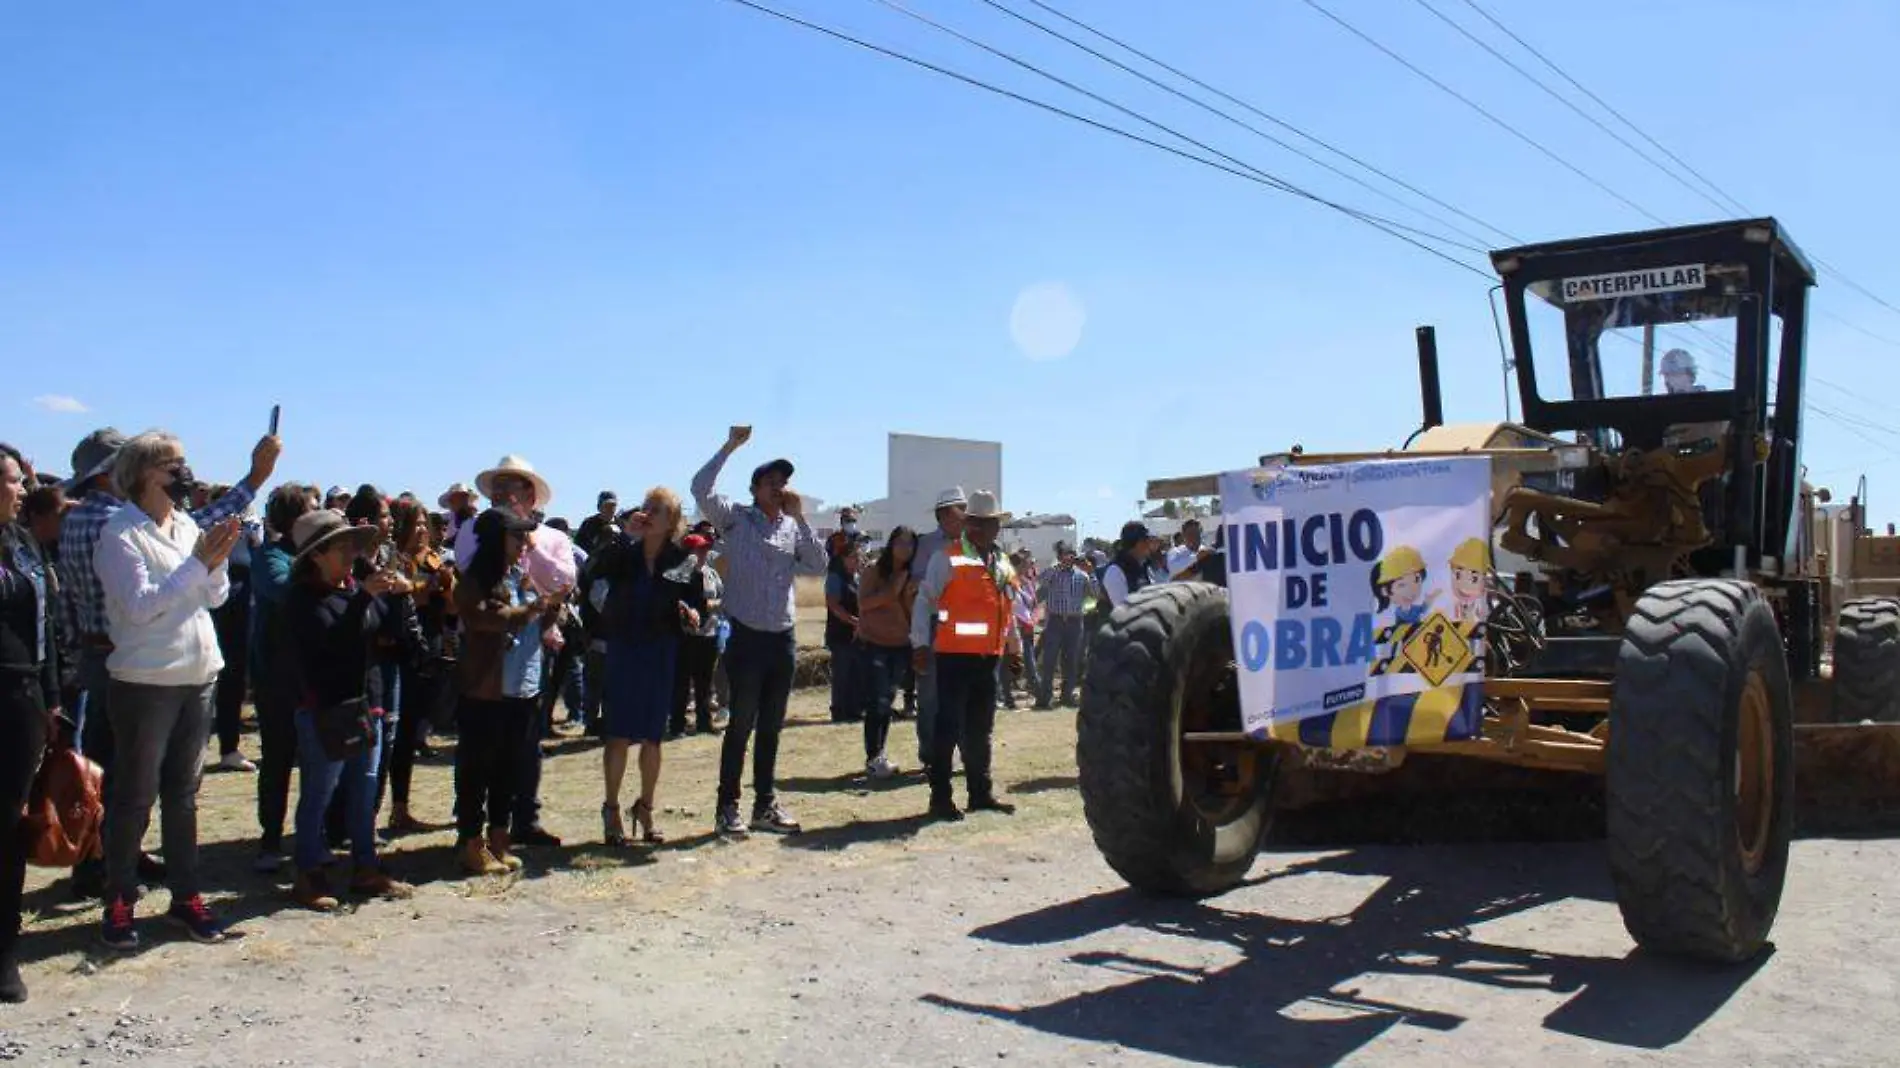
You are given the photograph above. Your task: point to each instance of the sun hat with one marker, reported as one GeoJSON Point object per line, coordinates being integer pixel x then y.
{"type": "Point", "coordinates": [449, 494]}
{"type": "Point", "coordinates": [315, 531]}
{"type": "Point", "coordinates": [520, 468]}
{"type": "Point", "coordinates": [983, 505]}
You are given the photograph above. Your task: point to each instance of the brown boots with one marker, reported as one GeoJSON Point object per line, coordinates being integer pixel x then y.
{"type": "Point", "coordinates": [489, 857]}
{"type": "Point", "coordinates": [498, 842]}
{"type": "Point", "coordinates": [477, 860]}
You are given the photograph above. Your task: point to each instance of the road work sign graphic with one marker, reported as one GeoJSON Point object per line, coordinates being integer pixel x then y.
{"type": "Point", "coordinates": [1359, 598]}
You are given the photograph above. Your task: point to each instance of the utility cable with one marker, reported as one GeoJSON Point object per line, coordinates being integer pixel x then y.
{"type": "Point", "coordinates": [1096, 124]}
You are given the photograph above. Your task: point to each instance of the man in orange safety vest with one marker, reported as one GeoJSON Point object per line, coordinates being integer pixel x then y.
{"type": "Point", "coordinates": [969, 592]}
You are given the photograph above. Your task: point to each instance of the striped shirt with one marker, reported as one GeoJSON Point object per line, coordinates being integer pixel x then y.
{"type": "Point", "coordinates": [762, 555]}
{"type": "Point", "coordinates": [82, 595]}
{"type": "Point", "coordinates": [1065, 590]}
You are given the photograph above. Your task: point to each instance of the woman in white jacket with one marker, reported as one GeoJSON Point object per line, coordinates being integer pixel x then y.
{"type": "Point", "coordinates": [161, 576]}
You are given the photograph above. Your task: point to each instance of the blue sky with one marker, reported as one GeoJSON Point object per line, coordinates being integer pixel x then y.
{"type": "Point", "coordinates": [597, 233]}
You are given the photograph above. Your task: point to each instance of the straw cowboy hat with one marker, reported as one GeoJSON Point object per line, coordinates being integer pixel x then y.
{"type": "Point", "coordinates": [983, 506]}
{"type": "Point", "coordinates": [316, 531]}
{"type": "Point", "coordinates": [448, 495]}
{"type": "Point", "coordinates": [520, 468]}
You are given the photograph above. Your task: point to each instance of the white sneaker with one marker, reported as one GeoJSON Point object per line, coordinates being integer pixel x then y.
{"type": "Point", "coordinates": [881, 768]}
{"type": "Point", "coordinates": [234, 761]}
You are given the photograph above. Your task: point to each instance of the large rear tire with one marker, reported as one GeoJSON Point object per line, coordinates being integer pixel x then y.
{"type": "Point", "coordinates": [1867, 661]}
{"type": "Point", "coordinates": [1170, 819]}
{"type": "Point", "coordinates": [1700, 775]}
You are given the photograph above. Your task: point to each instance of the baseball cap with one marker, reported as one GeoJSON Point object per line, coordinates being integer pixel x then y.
{"type": "Point", "coordinates": [780, 466]}
{"type": "Point", "coordinates": [1134, 531]}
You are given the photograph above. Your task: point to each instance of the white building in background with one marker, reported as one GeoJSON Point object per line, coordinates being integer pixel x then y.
{"type": "Point", "coordinates": [921, 467]}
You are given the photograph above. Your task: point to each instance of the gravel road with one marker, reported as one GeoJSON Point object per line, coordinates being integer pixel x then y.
{"type": "Point", "coordinates": [873, 947]}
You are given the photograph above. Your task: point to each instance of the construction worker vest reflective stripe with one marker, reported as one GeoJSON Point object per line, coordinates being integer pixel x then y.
{"type": "Point", "coordinates": [972, 614]}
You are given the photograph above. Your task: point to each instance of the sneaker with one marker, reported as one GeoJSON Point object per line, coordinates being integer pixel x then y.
{"type": "Point", "coordinates": [196, 918]}
{"type": "Point", "coordinates": [117, 931]}
{"type": "Point", "coordinates": [728, 824]}
{"type": "Point", "coordinates": [268, 862]}
{"type": "Point", "coordinates": [375, 882]}
{"type": "Point", "coordinates": [776, 819]}
{"type": "Point", "coordinates": [946, 810]}
{"type": "Point", "coordinates": [234, 761]}
{"type": "Point", "coordinates": [881, 768]}
{"type": "Point", "coordinates": [312, 891]}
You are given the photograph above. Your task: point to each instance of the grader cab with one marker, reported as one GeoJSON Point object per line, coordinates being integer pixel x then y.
{"type": "Point", "coordinates": [1670, 614]}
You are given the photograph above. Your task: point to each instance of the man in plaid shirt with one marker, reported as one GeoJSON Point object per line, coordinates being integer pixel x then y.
{"type": "Point", "coordinates": [83, 599]}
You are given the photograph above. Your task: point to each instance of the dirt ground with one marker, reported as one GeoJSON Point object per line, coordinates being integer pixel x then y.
{"type": "Point", "coordinates": [877, 939]}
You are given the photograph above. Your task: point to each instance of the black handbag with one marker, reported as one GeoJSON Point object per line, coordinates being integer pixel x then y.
{"type": "Point", "coordinates": [345, 730]}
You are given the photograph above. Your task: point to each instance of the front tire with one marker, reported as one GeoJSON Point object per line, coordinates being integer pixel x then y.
{"type": "Point", "coordinates": [1170, 818]}
{"type": "Point", "coordinates": [1700, 771]}
{"type": "Point", "coordinates": [1867, 661]}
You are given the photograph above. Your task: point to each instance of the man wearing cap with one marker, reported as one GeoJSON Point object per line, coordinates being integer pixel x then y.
{"type": "Point", "coordinates": [1063, 593]}
{"type": "Point", "coordinates": [969, 590]}
{"type": "Point", "coordinates": [85, 596]}
{"type": "Point", "coordinates": [514, 484]}
{"type": "Point", "coordinates": [766, 543]}
{"type": "Point", "coordinates": [952, 505]}
{"type": "Point", "coordinates": [599, 528]}
{"type": "Point", "coordinates": [1128, 572]}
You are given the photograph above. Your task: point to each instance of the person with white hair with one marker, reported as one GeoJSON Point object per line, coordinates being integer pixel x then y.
{"type": "Point", "coordinates": [1679, 373]}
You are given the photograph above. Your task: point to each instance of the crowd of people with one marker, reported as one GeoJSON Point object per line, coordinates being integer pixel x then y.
{"type": "Point", "coordinates": [140, 609]}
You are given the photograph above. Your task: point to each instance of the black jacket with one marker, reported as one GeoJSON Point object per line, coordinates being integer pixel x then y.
{"type": "Point", "coordinates": [626, 616]}
{"type": "Point", "coordinates": [26, 613]}
{"type": "Point", "coordinates": [330, 633]}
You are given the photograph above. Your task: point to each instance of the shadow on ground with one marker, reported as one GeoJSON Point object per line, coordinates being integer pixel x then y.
{"type": "Point", "coordinates": [1294, 990]}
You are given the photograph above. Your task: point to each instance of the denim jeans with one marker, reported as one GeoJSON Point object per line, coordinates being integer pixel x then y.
{"type": "Point", "coordinates": [927, 707]}
{"type": "Point", "coordinates": [884, 668]}
{"type": "Point", "coordinates": [760, 664]}
{"type": "Point", "coordinates": [320, 779]}
{"type": "Point", "coordinates": [386, 693]}
{"type": "Point", "coordinates": [159, 735]}
{"type": "Point", "coordinates": [1061, 646]}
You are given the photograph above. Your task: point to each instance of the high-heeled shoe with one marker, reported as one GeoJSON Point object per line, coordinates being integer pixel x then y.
{"type": "Point", "coordinates": [613, 831]}
{"type": "Point", "coordinates": [642, 813]}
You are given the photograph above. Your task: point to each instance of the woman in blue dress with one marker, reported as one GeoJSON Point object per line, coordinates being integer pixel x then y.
{"type": "Point", "coordinates": [640, 589]}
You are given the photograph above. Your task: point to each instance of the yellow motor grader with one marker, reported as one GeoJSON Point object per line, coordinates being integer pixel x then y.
{"type": "Point", "coordinates": [1672, 609]}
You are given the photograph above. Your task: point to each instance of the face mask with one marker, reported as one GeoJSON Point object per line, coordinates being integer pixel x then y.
{"type": "Point", "coordinates": [850, 527]}
{"type": "Point", "coordinates": [180, 487]}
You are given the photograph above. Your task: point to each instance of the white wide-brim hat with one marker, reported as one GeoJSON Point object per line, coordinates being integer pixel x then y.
{"type": "Point", "coordinates": [520, 468]}
{"type": "Point", "coordinates": [983, 505]}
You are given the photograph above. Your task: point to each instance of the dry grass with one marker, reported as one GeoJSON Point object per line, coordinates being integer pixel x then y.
{"type": "Point", "coordinates": [848, 821]}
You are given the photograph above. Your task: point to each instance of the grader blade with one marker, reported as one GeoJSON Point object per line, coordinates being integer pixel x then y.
{"type": "Point", "coordinates": [1847, 777]}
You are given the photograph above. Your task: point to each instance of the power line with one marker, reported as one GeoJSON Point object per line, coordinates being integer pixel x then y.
{"type": "Point", "coordinates": [1600, 102]}
{"type": "Point", "coordinates": [1735, 204]}
{"type": "Point", "coordinates": [1567, 102]}
{"type": "Point", "coordinates": [1273, 179]}
{"type": "Point", "coordinates": [1482, 110]}
{"type": "Point", "coordinates": [1242, 123]}
{"type": "Point", "coordinates": [1096, 124]}
{"type": "Point", "coordinates": [1256, 111]}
